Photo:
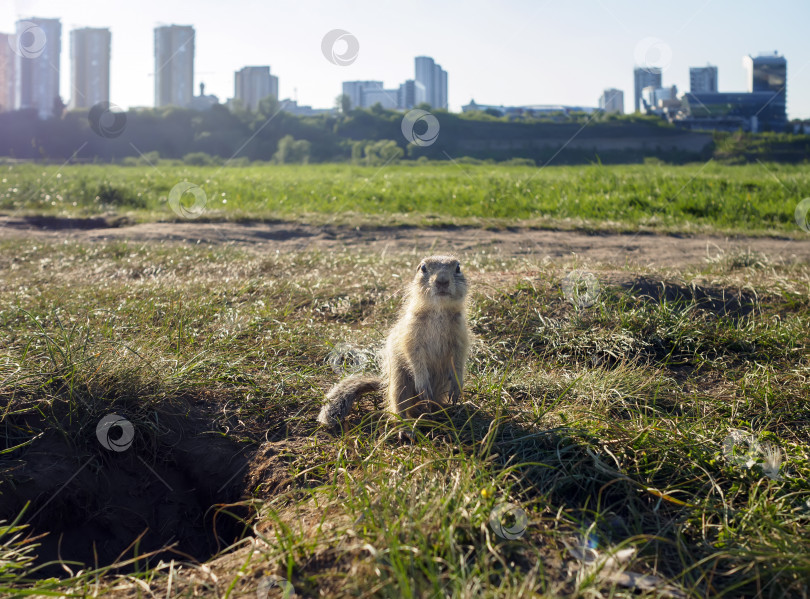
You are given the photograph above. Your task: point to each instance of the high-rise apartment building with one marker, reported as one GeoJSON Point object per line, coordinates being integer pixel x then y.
{"type": "Point", "coordinates": [768, 73]}
{"type": "Point", "coordinates": [174, 65]}
{"type": "Point", "coordinates": [37, 48]}
{"type": "Point", "coordinates": [410, 94]}
{"type": "Point", "coordinates": [6, 72]}
{"type": "Point", "coordinates": [612, 101]}
{"type": "Point", "coordinates": [253, 84]}
{"type": "Point", "coordinates": [644, 77]}
{"type": "Point", "coordinates": [441, 94]}
{"type": "Point", "coordinates": [703, 79]}
{"type": "Point", "coordinates": [90, 67]}
{"type": "Point", "coordinates": [434, 79]}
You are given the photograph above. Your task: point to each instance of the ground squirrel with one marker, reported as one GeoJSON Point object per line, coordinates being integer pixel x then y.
{"type": "Point", "coordinates": [425, 352]}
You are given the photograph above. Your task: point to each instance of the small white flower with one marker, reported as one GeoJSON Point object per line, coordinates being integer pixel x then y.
{"type": "Point", "coordinates": [772, 461]}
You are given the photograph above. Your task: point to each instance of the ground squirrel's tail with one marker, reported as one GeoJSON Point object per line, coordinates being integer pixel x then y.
{"type": "Point", "coordinates": [341, 397]}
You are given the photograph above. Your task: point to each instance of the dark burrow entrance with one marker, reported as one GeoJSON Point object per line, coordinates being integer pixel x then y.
{"type": "Point", "coordinates": [124, 487]}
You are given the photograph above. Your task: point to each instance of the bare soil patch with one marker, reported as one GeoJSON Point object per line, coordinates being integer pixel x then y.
{"type": "Point", "coordinates": [641, 249]}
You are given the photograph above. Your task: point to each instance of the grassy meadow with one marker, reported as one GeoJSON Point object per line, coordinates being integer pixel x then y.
{"type": "Point", "coordinates": [755, 199]}
{"type": "Point", "coordinates": [635, 433]}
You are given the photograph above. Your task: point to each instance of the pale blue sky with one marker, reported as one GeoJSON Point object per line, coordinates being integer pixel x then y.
{"type": "Point", "coordinates": [504, 52]}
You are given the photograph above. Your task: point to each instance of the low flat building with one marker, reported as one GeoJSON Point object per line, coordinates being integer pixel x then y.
{"type": "Point", "coordinates": [532, 110]}
{"type": "Point", "coordinates": [293, 107]}
{"type": "Point", "coordinates": [749, 111]}
{"type": "Point", "coordinates": [357, 90]}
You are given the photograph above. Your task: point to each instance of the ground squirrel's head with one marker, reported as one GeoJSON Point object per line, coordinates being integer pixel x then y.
{"type": "Point", "coordinates": [439, 279]}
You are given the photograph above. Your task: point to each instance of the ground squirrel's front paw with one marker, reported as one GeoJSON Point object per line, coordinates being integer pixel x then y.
{"type": "Point", "coordinates": [425, 394]}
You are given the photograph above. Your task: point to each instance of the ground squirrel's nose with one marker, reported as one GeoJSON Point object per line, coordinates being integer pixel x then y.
{"type": "Point", "coordinates": [442, 282]}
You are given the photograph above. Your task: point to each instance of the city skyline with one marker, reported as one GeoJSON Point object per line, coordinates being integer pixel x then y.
{"type": "Point", "coordinates": [428, 85]}
{"type": "Point", "coordinates": [475, 63]}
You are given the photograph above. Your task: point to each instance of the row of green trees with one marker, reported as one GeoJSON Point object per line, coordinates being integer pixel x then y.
{"type": "Point", "coordinates": [372, 136]}
{"type": "Point", "coordinates": [299, 151]}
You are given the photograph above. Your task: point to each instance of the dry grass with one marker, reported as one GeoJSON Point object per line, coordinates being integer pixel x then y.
{"type": "Point", "coordinates": [604, 425]}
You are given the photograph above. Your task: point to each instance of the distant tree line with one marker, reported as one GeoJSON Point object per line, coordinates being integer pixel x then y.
{"type": "Point", "coordinates": [372, 136]}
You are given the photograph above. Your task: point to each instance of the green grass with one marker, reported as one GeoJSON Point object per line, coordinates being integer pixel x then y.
{"type": "Point", "coordinates": [757, 198]}
{"type": "Point", "coordinates": [605, 425]}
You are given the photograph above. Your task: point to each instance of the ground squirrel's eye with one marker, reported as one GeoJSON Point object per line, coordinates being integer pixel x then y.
{"type": "Point", "coordinates": [423, 268]}
{"type": "Point", "coordinates": [458, 268]}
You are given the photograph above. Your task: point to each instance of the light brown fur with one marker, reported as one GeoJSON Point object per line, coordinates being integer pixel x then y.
{"type": "Point", "coordinates": [425, 352]}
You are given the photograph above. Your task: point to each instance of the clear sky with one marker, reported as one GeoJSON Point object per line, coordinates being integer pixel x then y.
{"type": "Point", "coordinates": [498, 52]}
